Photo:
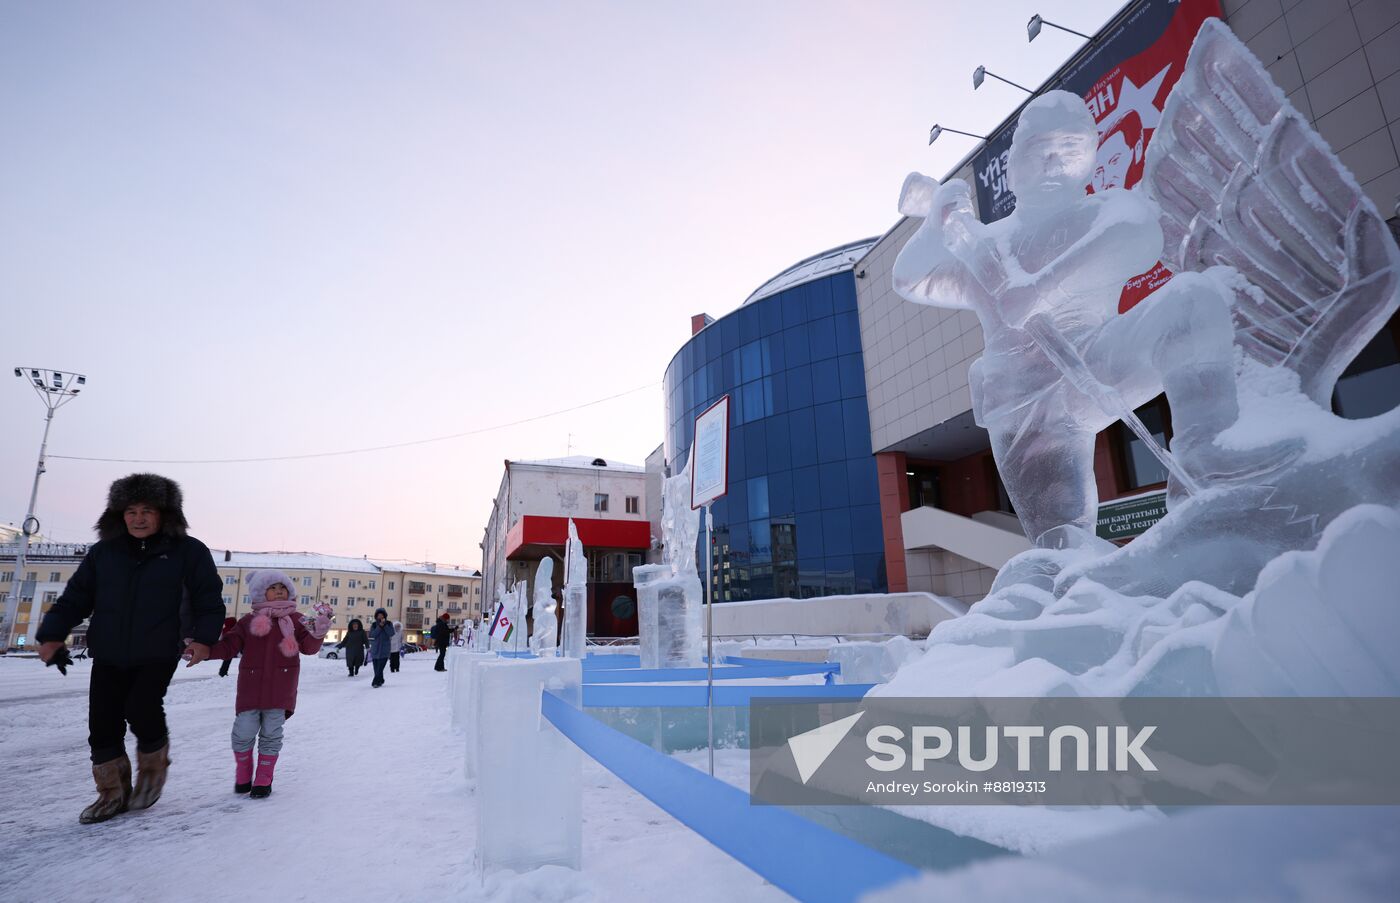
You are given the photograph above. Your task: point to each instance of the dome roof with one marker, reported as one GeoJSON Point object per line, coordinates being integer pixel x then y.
{"type": "Point", "coordinates": [836, 260]}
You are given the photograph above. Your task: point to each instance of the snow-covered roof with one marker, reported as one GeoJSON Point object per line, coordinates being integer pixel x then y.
{"type": "Point", "coordinates": [826, 263]}
{"type": "Point", "coordinates": [417, 568]}
{"type": "Point", "coordinates": [584, 461]}
{"type": "Point", "coordinates": [293, 561]}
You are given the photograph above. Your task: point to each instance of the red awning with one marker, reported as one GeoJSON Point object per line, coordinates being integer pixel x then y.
{"type": "Point", "coordinates": [593, 532]}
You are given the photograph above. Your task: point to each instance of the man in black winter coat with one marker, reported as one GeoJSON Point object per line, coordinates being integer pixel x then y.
{"type": "Point", "coordinates": [146, 585]}
{"type": "Point", "coordinates": [442, 638]}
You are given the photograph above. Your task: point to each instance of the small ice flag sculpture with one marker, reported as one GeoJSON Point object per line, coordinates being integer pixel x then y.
{"type": "Point", "coordinates": [546, 635]}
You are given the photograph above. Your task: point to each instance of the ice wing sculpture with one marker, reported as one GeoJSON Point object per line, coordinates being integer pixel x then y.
{"type": "Point", "coordinates": [546, 635]}
{"type": "Point", "coordinates": [1242, 180]}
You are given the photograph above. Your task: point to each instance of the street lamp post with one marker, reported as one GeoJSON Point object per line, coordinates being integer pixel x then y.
{"type": "Point", "coordinates": [55, 388]}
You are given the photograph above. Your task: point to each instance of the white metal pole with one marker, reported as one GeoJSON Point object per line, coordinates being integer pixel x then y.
{"type": "Point", "coordinates": [12, 604]}
{"type": "Point", "coordinates": [709, 636]}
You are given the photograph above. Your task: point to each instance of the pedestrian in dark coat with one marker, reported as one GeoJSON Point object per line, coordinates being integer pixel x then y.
{"type": "Point", "coordinates": [270, 637]}
{"type": "Point", "coordinates": [442, 638]}
{"type": "Point", "coordinates": [381, 640]}
{"type": "Point", "coordinates": [145, 585]}
{"type": "Point", "coordinates": [355, 642]}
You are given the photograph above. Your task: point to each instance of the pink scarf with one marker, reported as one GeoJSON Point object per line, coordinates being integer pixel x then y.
{"type": "Point", "coordinates": [264, 614]}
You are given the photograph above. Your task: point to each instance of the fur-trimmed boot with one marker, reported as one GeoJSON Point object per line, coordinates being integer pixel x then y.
{"type": "Point", "coordinates": [113, 779]}
{"type": "Point", "coordinates": [262, 782]}
{"type": "Point", "coordinates": [242, 771]}
{"type": "Point", "coordinates": [151, 769]}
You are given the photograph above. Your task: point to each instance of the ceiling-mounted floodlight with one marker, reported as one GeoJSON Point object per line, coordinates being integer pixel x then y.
{"type": "Point", "coordinates": [937, 130]}
{"type": "Point", "coordinates": [1033, 28]}
{"type": "Point", "coordinates": [980, 73]}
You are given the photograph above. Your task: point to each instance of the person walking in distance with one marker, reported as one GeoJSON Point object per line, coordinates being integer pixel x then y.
{"type": "Point", "coordinates": [355, 642]}
{"type": "Point", "coordinates": [268, 674]}
{"type": "Point", "coordinates": [143, 577]}
{"type": "Point", "coordinates": [395, 647]}
{"type": "Point", "coordinates": [442, 638]}
{"type": "Point", "coordinates": [381, 637]}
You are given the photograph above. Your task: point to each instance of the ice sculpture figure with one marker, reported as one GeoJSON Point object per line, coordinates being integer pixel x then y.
{"type": "Point", "coordinates": [546, 636]}
{"type": "Point", "coordinates": [1284, 270]}
{"type": "Point", "coordinates": [519, 603]}
{"type": "Point", "coordinates": [670, 623]}
{"type": "Point", "coordinates": [575, 595]}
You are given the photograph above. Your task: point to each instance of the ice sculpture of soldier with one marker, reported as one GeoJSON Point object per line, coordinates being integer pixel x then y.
{"type": "Point", "coordinates": [1061, 363]}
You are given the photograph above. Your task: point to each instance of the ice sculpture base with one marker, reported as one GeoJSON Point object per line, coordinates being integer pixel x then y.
{"type": "Point", "coordinates": [530, 813]}
{"type": "Point", "coordinates": [669, 618]}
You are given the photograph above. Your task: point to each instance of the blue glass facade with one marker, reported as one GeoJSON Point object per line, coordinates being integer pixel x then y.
{"type": "Point", "coordinates": [802, 517]}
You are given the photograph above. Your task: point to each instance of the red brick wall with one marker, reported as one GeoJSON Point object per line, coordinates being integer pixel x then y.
{"type": "Point", "coordinates": [894, 501]}
{"type": "Point", "coordinates": [968, 485]}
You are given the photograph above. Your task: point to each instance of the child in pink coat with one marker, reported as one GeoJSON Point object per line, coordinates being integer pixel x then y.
{"type": "Point", "coordinates": [270, 638]}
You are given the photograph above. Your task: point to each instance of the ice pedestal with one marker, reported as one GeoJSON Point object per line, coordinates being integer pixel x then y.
{"type": "Point", "coordinates": [872, 663]}
{"type": "Point", "coordinates": [575, 620]}
{"type": "Point", "coordinates": [530, 806]}
{"type": "Point", "coordinates": [668, 618]}
{"type": "Point", "coordinates": [461, 676]}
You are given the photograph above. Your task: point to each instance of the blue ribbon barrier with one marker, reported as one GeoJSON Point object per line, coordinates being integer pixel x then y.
{"type": "Point", "coordinates": [673, 697]}
{"type": "Point", "coordinates": [800, 857]}
{"type": "Point", "coordinates": [611, 662]}
{"type": "Point", "coordinates": [722, 672]}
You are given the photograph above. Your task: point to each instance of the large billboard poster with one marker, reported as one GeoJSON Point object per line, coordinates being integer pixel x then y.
{"type": "Point", "coordinates": [1124, 78]}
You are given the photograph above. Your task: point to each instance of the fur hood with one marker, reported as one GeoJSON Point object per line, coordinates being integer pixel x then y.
{"type": "Point", "coordinates": [261, 581]}
{"type": "Point", "coordinates": [160, 492]}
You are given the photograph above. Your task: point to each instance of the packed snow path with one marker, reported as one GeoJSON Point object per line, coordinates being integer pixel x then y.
{"type": "Point", "coordinates": [369, 803]}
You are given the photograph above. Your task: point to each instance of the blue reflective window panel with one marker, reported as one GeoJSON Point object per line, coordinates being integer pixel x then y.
{"type": "Point", "coordinates": [866, 533]}
{"type": "Point", "coordinates": [748, 323]}
{"type": "Point", "coordinates": [738, 539]}
{"type": "Point", "coordinates": [835, 492]}
{"type": "Point", "coordinates": [778, 386]}
{"type": "Point", "coordinates": [857, 420]}
{"type": "Point", "coordinates": [852, 376]}
{"type": "Point", "coordinates": [848, 333]}
{"type": "Point", "coordinates": [807, 489]}
{"type": "Point", "coordinates": [809, 534]}
{"type": "Point", "coordinates": [738, 460]}
{"type": "Point", "coordinates": [755, 436]}
{"type": "Point", "coordinates": [729, 370]}
{"type": "Point", "coordinates": [774, 355]}
{"type": "Point", "coordinates": [728, 332]}
{"type": "Point", "coordinates": [710, 334]}
{"type": "Point", "coordinates": [821, 338]}
{"type": "Point", "coordinates": [760, 541]}
{"type": "Point", "coordinates": [831, 438]}
{"type": "Point", "coordinates": [758, 497]}
{"type": "Point", "coordinates": [826, 381]}
{"type": "Point", "coordinates": [736, 409]}
{"type": "Point", "coordinates": [799, 387]}
{"type": "Point", "coordinates": [840, 575]}
{"type": "Point", "coordinates": [863, 481]}
{"type": "Point", "coordinates": [836, 530]}
{"type": "Point", "coordinates": [819, 301]}
{"type": "Point", "coordinates": [843, 292]}
{"type": "Point", "coordinates": [802, 429]}
{"type": "Point", "coordinates": [770, 315]}
{"type": "Point", "coordinates": [870, 574]}
{"type": "Point", "coordinates": [780, 499]}
{"type": "Point", "coordinates": [754, 402]}
{"type": "Point", "coordinates": [795, 348]}
{"type": "Point", "coordinates": [750, 362]}
{"type": "Point", "coordinates": [811, 577]}
{"type": "Point", "coordinates": [719, 509]}
{"type": "Point", "coordinates": [794, 306]}
{"type": "Point", "coordinates": [779, 444]}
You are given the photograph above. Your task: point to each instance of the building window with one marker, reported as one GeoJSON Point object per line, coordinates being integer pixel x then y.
{"type": "Point", "coordinates": [391, 584]}
{"type": "Point", "coordinates": [245, 598]}
{"type": "Point", "coordinates": [600, 501]}
{"type": "Point", "coordinates": [306, 581]}
{"type": "Point", "coordinates": [372, 584]}
{"type": "Point", "coordinates": [230, 581]}
{"type": "Point", "coordinates": [7, 577]}
{"type": "Point", "coordinates": [416, 588]}
{"type": "Point", "coordinates": [634, 504]}
{"type": "Point", "coordinates": [1140, 467]}
{"type": "Point", "coordinates": [54, 577]}
{"type": "Point", "coordinates": [32, 576]}
{"type": "Point", "coordinates": [335, 581]}
{"type": "Point", "coordinates": [227, 600]}
{"type": "Point", "coordinates": [335, 600]}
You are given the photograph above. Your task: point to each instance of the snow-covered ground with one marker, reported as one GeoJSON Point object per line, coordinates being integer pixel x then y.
{"type": "Point", "coordinates": [369, 804]}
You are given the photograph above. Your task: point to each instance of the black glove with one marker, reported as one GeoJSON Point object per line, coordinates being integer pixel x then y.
{"type": "Point", "coordinates": [61, 659]}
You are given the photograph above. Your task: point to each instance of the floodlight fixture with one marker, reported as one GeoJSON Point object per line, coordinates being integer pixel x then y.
{"type": "Point", "coordinates": [1033, 28]}
{"type": "Point", "coordinates": [981, 72]}
{"type": "Point", "coordinates": [937, 130]}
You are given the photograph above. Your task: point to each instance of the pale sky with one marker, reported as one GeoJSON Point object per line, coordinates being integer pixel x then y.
{"type": "Point", "coordinates": [270, 228]}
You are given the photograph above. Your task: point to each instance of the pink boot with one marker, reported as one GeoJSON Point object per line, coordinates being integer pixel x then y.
{"type": "Point", "coordinates": [262, 783]}
{"type": "Point", "coordinates": [242, 771]}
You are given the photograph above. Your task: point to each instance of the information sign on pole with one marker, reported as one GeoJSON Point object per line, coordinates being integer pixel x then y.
{"type": "Point", "coordinates": [709, 479]}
